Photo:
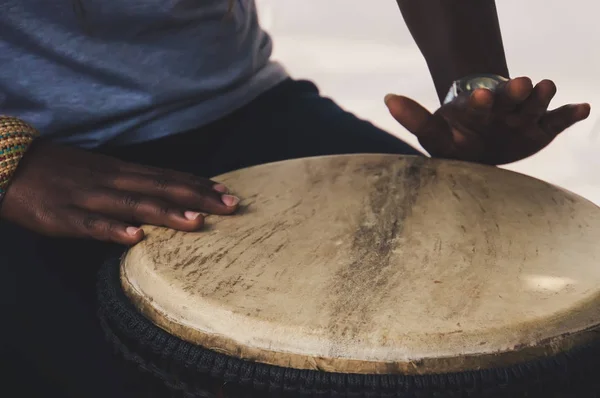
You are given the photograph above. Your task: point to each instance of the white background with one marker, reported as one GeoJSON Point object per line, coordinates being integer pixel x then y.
{"type": "Point", "coordinates": [358, 51]}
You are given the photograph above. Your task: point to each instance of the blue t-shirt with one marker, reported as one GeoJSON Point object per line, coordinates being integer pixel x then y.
{"type": "Point", "coordinates": [87, 72]}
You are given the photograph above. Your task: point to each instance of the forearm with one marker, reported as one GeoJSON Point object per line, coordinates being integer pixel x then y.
{"type": "Point", "coordinates": [456, 37]}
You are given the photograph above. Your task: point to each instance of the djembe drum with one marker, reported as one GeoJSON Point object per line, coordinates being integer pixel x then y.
{"type": "Point", "coordinates": [367, 276]}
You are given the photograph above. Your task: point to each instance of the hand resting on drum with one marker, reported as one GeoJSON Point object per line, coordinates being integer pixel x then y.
{"type": "Point", "coordinates": [59, 191]}
{"type": "Point", "coordinates": [495, 128]}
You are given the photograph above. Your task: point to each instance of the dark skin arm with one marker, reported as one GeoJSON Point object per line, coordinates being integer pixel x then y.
{"type": "Point", "coordinates": [459, 38]}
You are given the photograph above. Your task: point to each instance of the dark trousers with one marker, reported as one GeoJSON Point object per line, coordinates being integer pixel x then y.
{"type": "Point", "coordinates": [52, 344]}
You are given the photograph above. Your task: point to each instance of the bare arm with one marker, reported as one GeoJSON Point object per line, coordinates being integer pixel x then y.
{"type": "Point", "coordinates": [456, 37]}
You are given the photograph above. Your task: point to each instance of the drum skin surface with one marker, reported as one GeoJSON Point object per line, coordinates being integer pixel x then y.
{"type": "Point", "coordinates": [378, 264]}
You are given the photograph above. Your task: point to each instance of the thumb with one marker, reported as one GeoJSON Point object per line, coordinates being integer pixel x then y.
{"type": "Point", "coordinates": [408, 113]}
{"type": "Point", "coordinates": [432, 131]}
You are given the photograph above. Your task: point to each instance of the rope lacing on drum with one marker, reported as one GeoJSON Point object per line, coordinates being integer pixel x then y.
{"type": "Point", "coordinates": [177, 364]}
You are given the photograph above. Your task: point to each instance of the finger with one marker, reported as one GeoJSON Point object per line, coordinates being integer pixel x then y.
{"type": "Point", "coordinates": [470, 109]}
{"type": "Point", "coordinates": [139, 209]}
{"type": "Point", "coordinates": [432, 131]}
{"type": "Point", "coordinates": [508, 95]}
{"type": "Point", "coordinates": [558, 120]}
{"type": "Point", "coordinates": [481, 100]}
{"type": "Point", "coordinates": [185, 195]}
{"type": "Point", "coordinates": [537, 103]}
{"type": "Point", "coordinates": [108, 166]}
{"type": "Point", "coordinates": [79, 223]}
{"type": "Point", "coordinates": [186, 178]}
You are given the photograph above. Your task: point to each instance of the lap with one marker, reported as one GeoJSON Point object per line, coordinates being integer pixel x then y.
{"type": "Point", "coordinates": [290, 121]}
{"type": "Point", "coordinates": [54, 332]}
{"type": "Point", "coordinates": [294, 121]}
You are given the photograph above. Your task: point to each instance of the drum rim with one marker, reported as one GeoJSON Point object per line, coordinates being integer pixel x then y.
{"type": "Point", "coordinates": [115, 307]}
{"type": "Point", "coordinates": [430, 366]}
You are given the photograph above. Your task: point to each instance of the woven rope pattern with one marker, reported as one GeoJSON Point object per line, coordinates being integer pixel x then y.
{"type": "Point", "coordinates": [15, 137]}
{"type": "Point", "coordinates": [179, 366]}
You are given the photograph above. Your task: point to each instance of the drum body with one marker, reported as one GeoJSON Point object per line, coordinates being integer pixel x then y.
{"type": "Point", "coordinates": [368, 276]}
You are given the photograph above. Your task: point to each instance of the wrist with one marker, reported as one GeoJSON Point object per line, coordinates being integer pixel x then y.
{"type": "Point", "coordinates": [16, 137]}
{"type": "Point", "coordinates": [444, 78]}
{"type": "Point", "coordinates": [468, 84]}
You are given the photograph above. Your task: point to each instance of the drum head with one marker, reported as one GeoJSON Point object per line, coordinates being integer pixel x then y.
{"type": "Point", "coordinates": [378, 264]}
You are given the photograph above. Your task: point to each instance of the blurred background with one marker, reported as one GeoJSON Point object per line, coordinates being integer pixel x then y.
{"type": "Point", "coordinates": [358, 51]}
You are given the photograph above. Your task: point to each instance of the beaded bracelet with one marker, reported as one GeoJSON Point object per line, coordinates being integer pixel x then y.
{"type": "Point", "coordinates": [15, 137]}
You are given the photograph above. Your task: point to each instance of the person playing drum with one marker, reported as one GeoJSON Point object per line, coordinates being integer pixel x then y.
{"type": "Point", "coordinates": [138, 102]}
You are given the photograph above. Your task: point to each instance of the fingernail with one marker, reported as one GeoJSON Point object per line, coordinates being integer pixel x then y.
{"type": "Point", "coordinates": [584, 110]}
{"type": "Point", "coordinates": [132, 231]}
{"type": "Point", "coordinates": [220, 188]}
{"type": "Point", "coordinates": [191, 215]}
{"type": "Point", "coordinates": [388, 97]}
{"type": "Point", "coordinates": [230, 200]}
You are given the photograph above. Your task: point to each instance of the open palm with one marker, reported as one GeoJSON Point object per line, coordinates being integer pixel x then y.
{"type": "Point", "coordinates": [499, 127]}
